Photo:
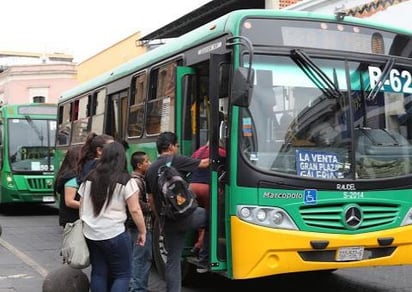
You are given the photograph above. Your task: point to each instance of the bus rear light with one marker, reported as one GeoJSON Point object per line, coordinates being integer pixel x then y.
{"type": "Point", "coordinates": [266, 216]}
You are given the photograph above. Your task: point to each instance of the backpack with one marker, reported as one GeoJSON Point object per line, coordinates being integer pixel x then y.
{"type": "Point", "coordinates": [177, 201]}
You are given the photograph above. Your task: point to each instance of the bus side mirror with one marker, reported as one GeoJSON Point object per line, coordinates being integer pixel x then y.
{"type": "Point", "coordinates": [242, 87]}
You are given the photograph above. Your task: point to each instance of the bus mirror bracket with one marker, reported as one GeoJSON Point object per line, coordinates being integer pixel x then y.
{"type": "Point", "coordinates": [242, 82]}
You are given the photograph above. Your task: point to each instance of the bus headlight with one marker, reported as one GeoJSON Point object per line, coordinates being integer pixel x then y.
{"type": "Point", "coordinates": [245, 212]}
{"type": "Point", "coordinates": [261, 215]}
{"type": "Point", "coordinates": [266, 216]}
{"type": "Point", "coordinates": [277, 218]}
{"type": "Point", "coordinates": [407, 220]}
{"type": "Point", "coordinates": [9, 180]}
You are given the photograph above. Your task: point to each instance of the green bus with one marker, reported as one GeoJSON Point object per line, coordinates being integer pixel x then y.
{"type": "Point", "coordinates": [317, 126]}
{"type": "Point", "coordinates": [27, 141]}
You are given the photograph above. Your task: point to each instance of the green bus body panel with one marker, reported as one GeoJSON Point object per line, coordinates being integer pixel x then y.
{"type": "Point", "coordinates": [29, 189]}
{"type": "Point", "coordinates": [382, 209]}
{"type": "Point", "coordinates": [149, 148]}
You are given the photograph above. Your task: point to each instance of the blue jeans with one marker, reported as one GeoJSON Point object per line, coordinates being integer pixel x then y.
{"type": "Point", "coordinates": [141, 261]}
{"type": "Point", "coordinates": [111, 263]}
{"type": "Point", "coordinates": [175, 235]}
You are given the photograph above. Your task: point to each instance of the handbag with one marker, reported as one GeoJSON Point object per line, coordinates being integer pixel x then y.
{"type": "Point", "coordinates": [74, 251]}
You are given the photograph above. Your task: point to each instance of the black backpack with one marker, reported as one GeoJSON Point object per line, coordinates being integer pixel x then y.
{"type": "Point", "coordinates": [177, 201]}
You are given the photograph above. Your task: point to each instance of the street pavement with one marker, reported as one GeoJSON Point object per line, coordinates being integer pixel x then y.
{"type": "Point", "coordinates": [18, 273]}
{"type": "Point", "coordinates": [30, 249]}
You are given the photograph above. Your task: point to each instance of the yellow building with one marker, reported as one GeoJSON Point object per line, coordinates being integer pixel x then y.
{"type": "Point", "coordinates": [110, 57]}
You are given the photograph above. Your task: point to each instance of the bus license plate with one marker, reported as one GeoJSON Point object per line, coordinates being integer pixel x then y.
{"type": "Point", "coordinates": [48, 199]}
{"type": "Point", "coordinates": [354, 253]}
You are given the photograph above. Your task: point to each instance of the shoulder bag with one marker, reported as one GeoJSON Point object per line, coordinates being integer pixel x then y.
{"type": "Point", "coordinates": [74, 251]}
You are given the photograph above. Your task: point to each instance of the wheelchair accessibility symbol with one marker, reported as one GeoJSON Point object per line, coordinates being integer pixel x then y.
{"type": "Point", "coordinates": [310, 197]}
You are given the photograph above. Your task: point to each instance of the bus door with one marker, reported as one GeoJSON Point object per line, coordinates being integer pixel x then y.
{"type": "Point", "coordinates": [219, 68]}
{"type": "Point", "coordinates": [185, 95]}
{"type": "Point", "coordinates": [201, 108]}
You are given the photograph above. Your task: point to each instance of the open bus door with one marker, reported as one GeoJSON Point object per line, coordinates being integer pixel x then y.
{"type": "Point", "coordinates": [218, 91]}
{"type": "Point", "coordinates": [187, 94]}
{"type": "Point", "coordinates": [184, 99]}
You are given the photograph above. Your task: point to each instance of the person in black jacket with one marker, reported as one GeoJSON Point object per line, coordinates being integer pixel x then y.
{"type": "Point", "coordinates": [174, 231]}
{"type": "Point", "coordinates": [66, 172]}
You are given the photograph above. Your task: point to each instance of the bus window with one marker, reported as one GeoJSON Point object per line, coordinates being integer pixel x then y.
{"type": "Point", "coordinates": [136, 109]}
{"type": "Point", "coordinates": [98, 109]}
{"type": "Point", "coordinates": [64, 127]}
{"type": "Point", "coordinates": [161, 103]}
{"type": "Point", "coordinates": [81, 123]}
{"type": "Point", "coordinates": [116, 115]}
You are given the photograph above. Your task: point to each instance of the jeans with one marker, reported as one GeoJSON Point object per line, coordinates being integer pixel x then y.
{"type": "Point", "coordinates": [175, 235]}
{"type": "Point", "coordinates": [141, 261]}
{"type": "Point", "coordinates": [111, 263]}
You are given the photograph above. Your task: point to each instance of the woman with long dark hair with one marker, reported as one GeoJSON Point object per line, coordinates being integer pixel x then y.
{"type": "Point", "coordinates": [105, 194]}
{"type": "Point", "coordinates": [90, 152]}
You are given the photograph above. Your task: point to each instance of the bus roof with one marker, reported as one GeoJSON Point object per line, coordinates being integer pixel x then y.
{"type": "Point", "coordinates": [228, 23]}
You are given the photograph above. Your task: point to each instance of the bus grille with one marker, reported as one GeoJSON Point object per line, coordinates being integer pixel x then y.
{"type": "Point", "coordinates": [40, 184]}
{"type": "Point", "coordinates": [332, 216]}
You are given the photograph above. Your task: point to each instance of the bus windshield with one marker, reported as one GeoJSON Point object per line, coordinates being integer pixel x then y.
{"type": "Point", "coordinates": [338, 120]}
{"type": "Point", "coordinates": [32, 148]}
{"type": "Point", "coordinates": [324, 35]}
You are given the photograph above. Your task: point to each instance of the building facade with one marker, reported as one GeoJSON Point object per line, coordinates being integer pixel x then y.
{"type": "Point", "coordinates": [21, 84]}
{"type": "Point", "coordinates": [26, 77]}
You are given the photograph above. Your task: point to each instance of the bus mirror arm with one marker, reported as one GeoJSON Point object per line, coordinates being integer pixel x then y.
{"type": "Point", "coordinates": [242, 82]}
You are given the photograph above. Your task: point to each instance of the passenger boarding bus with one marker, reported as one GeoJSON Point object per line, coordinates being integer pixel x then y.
{"type": "Point", "coordinates": [315, 113]}
{"type": "Point", "coordinates": [27, 141]}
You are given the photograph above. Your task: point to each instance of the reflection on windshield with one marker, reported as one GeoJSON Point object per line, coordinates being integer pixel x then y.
{"type": "Point", "coordinates": [31, 144]}
{"type": "Point", "coordinates": [297, 128]}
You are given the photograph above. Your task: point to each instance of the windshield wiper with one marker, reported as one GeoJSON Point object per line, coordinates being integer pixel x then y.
{"type": "Point", "coordinates": [315, 74]}
{"type": "Point", "coordinates": [385, 72]}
